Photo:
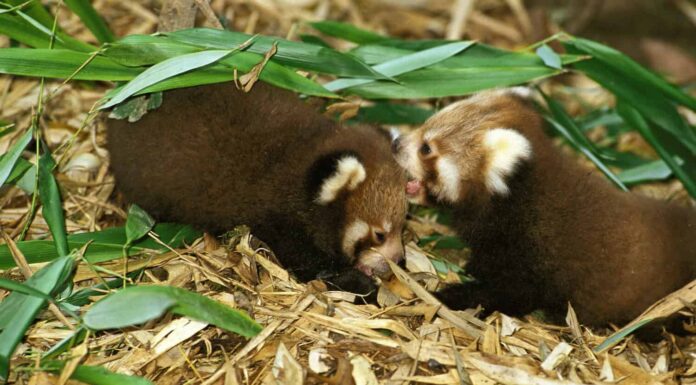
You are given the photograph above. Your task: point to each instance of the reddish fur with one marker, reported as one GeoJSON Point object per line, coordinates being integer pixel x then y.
{"type": "Point", "coordinates": [563, 233]}
{"type": "Point", "coordinates": [216, 157]}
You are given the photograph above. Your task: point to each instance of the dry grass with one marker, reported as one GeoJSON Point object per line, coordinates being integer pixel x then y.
{"type": "Point", "coordinates": [308, 332]}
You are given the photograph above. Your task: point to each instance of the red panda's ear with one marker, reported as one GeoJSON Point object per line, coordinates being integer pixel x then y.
{"type": "Point", "coordinates": [505, 149]}
{"type": "Point", "coordinates": [335, 174]}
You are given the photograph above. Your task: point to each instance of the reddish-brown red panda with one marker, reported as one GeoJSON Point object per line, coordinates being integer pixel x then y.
{"type": "Point", "coordinates": [327, 199]}
{"type": "Point", "coordinates": [542, 229]}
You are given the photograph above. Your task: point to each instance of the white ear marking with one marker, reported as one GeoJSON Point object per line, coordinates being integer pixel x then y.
{"type": "Point", "coordinates": [448, 175]}
{"type": "Point", "coordinates": [506, 148]}
{"type": "Point", "coordinates": [354, 232]}
{"type": "Point", "coordinates": [349, 174]}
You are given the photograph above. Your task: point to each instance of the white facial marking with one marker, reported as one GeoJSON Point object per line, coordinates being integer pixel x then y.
{"type": "Point", "coordinates": [349, 174]}
{"type": "Point", "coordinates": [354, 232]}
{"type": "Point", "coordinates": [386, 226]}
{"type": "Point", "coordinates": [408, 159]}
{"type": "Point", "coordinates": [506, 149]}
{"type": "Point", "coordinates": [448, 176]}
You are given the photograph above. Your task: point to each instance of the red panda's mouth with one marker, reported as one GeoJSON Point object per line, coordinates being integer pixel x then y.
{"type": "Point", "coordinates": [414, 187]}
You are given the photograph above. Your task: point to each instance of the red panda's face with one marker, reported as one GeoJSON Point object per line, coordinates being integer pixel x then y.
{"type": "Point", "coordinates": [374, 211]}
{"type": "Point", "coordinates": [468, 148]}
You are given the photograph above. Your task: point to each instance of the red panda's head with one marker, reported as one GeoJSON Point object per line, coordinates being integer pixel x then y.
{"type": "Point", "coordinates": [470, 148]}
{"type": "Point", "coordinates": [368, 193]}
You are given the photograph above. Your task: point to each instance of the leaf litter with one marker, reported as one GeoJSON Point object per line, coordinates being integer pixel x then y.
{"type": "Point", "coordinates": [310, 334]}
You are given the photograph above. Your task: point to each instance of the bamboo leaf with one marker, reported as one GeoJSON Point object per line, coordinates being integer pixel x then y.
{"type": "Point", "coordinates": [52, 206]}
{"type": "Point", "coordinates": [637, 87]}
{"type": "Point", "coordinates": [633, 71]}
{"type": "Point", "coordinates": [104, 245]}
{"type": "Point", "coordinates": [143, 50]}
{"type": "Point", "coordinates": [60, 63]}
{"type": "Point", "coordinates": [91, 19]}
{"type": "Point", "coordinates": [35, 10]}
{"type": "Point", "coordinates": [18, 287]}
{"type": "Point", "coordinates": [348, 32]}
{"type": "Point", "coordinates": [163, 70]}
{"type": "Point", "coordinates": [652, 171]}
{"type": "Point", "coordinates": [9, 159]}
{"type": "Point", "coordinates": [17, 311]}
{"type": "Point", "coordinates": [305, 56]}
{"type": "Point", "coordinates": [549, 57]}
{"type": "Point", "coordinates": [26, 30]}
{"type": "Point", "coordinates": [441, 82]}
{"type": "Point", "coordinates": [137, 304]}
{"type": "Point", "coordinates": [667, 147]}
{"type": "Point", "coordinates": [405, 64]}
{"type": "Point", "coordinates": [138, 223]}
{"type": "Point", "coordinates": [98, 375]}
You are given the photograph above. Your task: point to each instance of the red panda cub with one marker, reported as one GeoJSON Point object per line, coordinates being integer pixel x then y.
{"type": "Point", "coordinates": [543, 230]}
{"type": "Point", "coordinates": [327, 199]}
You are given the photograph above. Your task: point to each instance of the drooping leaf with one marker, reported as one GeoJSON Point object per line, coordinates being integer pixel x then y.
{"type": "Point", "coordinates": [392, 113]}
{"type": "Point", "coordinates": [51, 203]}
{"type": "Point", "coordinates": [137, 304]}
{"type": "Point", "coordinates": [95, 375]}
{"type": "Point", "coordinates": [138, 223]}
{"type": "Point", "coordinates": [17, 311]}
{"type": "Point", "coordinates": [666, 146]}
{"type": "Point", "coordinates": [36, 35]}
{"type": "Point", "coordinates": [145, 50]}
{"type": "Point", "coordinates": [653, 97]}
{"type": "Point", "coordinates": [91, 19]}
{"type": "Point", "coordinates": [566, 126]}
{"type": "Point", "coordinates": [9, 159]}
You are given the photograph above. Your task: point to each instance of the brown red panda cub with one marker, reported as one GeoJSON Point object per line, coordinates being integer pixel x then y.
{"type": "Point", "coordinates": [327, 199]}
{"type": "Point", "coordinates": [542, 229]}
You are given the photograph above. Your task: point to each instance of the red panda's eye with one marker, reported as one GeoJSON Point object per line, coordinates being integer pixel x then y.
{"type": "Point", "coordinates": [425, 149]}
{"type": "Point", "coordinates": [380, 237]}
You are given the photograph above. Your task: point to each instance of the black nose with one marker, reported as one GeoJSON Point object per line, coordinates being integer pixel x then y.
{"type": "Point", "coordinates": [395, 144]}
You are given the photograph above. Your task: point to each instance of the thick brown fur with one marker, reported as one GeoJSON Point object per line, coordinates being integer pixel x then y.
{"type": "Point", "coordinates": [561, 234]}
{"type": "Point", "coordinates": [217, 157]}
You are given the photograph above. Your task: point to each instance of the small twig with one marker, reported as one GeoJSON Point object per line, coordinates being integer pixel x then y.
{"type": "Point", "coordinates": [460, 16]}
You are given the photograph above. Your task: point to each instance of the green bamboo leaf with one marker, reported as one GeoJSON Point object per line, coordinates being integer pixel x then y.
{"type": "Point", "coordinates": [549, 57]}
{"type": "Point", "coordinates": [441, 82]}
{"type": "Point", "coordinates": [565, 131]}
{"type": "Point", "coordinates": [98, 375]}
{"type": "Point", "coordinates": [391, 113]}
{"type": "Point", "coordinates": [9, 160]}
{"type": "Point", "coordinates": [652, 171]}
{"type": "Point", "coordinates": [138, 223]}
{"type": "Point", "coordinates": [17, 311]}
{"type": "Point", "coordinates": [60, 63]}
{"type": "Point", "coordinates": [137, 304]}
{"type": "Point", "coordinates": [103, 246]}
{"type": "Point", "coordinates": [305, 56]}
{"type": "Point", "coordinates": [52, 206]}
{"type": "Point", "coordinates": [145, 50]}
{"type": "Point", "coordinates": [95, 375]}
{"type": "Point", "coordinates": [640, 90]}
{"type": "Point", "coordinates": [17, 287]}
{"type": "Point", "coordinates": [273, 73]}
{"type": "Point", "coordinates": [620, 335]}
{"type": "Point", "coordinates": [405, 64]}
{"type": "Point", "coordinates": [66, 343]}
{"type": "Point", "coordinates": [667, 147]}
{"type": "Point", "coordinates": [163, 70]}
{"type": "Point", "coordinates": [634, 71]}
{"type": "Point", "coordinates": [26, 30]}
{"type": "Point", "coordinates": [347, 32]}
{"type": "Point", "coordinates": [35, 10]}
{"type": "Point", "coordinates": [91, 19]}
